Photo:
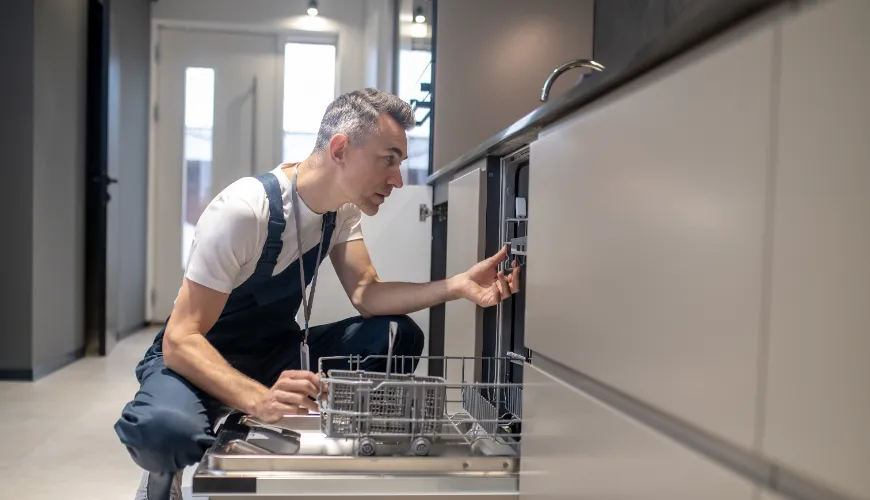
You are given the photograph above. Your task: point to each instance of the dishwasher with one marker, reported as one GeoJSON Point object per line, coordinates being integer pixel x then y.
{"type": "Point", "coordinates": [399, 434]}
{"type": "Point", "coordinates": [376, 435]}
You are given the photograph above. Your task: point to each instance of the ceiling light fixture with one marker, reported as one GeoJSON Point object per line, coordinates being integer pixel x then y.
{"type": "Point", "coordinates": [419, 18]}
{"type": "Point", "coordinates": [312, 7]}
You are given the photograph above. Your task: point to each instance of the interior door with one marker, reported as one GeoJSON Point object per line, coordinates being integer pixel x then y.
{"type": "Point", "coordinates": [217, 120]}
{"type": "Point", "coordinates": [399, 242]}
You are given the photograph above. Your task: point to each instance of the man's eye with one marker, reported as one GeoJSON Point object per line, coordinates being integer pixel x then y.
{"type": "Point", "coordinates": [389, 160]}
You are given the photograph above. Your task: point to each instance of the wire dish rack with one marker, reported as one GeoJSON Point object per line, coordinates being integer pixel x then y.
{"type": "Point", "coordinates": [415, 414]}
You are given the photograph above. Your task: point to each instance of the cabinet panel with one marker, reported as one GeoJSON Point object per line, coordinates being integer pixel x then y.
{"type": "Point", "coordinates": [646, 238]}
{"type": "Point", "coordinates": [465, 246]}
{"type": "Point", "coordinates": [574, 447]}
{"type": "Point", "coordinates": [769, 495]}
{"type": "Point", "coordinates": [818, 402]}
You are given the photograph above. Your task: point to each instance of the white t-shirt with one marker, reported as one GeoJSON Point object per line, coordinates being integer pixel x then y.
{"type": "Point", "coordinates": [231, 232]}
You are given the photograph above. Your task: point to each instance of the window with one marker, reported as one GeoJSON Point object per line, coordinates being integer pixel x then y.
{"type": "Point", "coordinates": [198, 132]}
{"type": "Point", "coordinates": [309, 87]}
{"type": "Point", "coordinates": [415, 68]}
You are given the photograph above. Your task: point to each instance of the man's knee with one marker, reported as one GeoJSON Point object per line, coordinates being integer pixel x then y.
{"type": "Point", "coordinates": [410, 338]}
{"type": "Point", "coordinates": [162, 439]}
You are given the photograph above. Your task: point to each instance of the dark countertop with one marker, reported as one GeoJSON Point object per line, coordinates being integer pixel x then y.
{"type": "Point", "coordinates": [678, 40]}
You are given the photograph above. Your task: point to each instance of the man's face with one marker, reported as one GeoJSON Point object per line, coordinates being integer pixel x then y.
{"type": "Point", "coordinates": [371, 170]}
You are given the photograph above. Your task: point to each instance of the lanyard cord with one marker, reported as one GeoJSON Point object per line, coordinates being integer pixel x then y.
{"type": "Point", "coordinates": [307, 302]}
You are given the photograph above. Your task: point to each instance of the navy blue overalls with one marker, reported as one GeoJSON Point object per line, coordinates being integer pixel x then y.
{"type": "Point", "coordinates": [168, 425]}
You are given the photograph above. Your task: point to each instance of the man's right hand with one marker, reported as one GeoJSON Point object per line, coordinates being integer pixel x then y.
{"type": "Point", "coordinates": [289, 396]}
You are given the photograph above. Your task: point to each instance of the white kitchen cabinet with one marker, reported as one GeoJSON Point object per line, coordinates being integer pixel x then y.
{"type": "Point", "coordinates": [465, 247]}
{"type": "Point", "coordinates": [817, 416]}
{"type": "Point", "coordinates": [769, 495]}
{"type": "Point", "coordinates": [575, 448]}
{"type": "Point", "coordinates": [646, 241]}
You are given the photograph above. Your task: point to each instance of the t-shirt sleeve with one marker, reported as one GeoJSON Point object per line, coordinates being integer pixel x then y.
{"type": "Point", "coordinates": [226, 238]}
{"type": "Point", "coordinates": [351, 225]}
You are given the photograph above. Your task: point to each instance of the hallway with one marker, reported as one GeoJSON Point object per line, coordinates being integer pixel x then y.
{"type": "Point", "coordinates": [58, 440]}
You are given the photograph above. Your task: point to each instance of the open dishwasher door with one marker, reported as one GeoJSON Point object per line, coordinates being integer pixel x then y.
{"type": "Point", "coordinates": [378, 435]}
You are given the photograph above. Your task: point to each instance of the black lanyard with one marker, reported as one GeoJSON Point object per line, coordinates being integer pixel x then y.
{"type": "Point", "coordinates": [307, 302]}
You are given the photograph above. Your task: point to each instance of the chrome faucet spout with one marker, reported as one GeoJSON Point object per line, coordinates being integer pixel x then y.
{"type": "Point", "coordinates": [576, 63]}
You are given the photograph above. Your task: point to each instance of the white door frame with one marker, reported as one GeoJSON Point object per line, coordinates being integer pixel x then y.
{"type": "Point", "coordinates": [282, 36]}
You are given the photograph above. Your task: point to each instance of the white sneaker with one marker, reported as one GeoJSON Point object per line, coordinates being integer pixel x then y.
{"type": "Point", "coordinates": [174, 491]}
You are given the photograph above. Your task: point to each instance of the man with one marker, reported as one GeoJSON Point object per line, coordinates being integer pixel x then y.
{"type": "Point", "coordinates": [232, 339]}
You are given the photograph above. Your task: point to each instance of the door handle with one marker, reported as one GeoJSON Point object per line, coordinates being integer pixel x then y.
{"type": "Point", "coordinates": [104, 179]}
{"type": "Point", "coordinates": [254, 127]}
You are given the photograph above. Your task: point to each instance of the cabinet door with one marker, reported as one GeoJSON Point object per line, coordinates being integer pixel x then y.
{"type": "Point", "coordinates": [576, 448]}
{"type": "Point", "coordinates": [462, 319]}
{"type": "Point", "coordinates": [647, 235]}
{"type": "Point", "coordinates": [818, 392]}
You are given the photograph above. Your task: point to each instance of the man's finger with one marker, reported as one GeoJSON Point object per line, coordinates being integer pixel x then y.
{"type": "Point", "coordinates": [294, 374]}
{"type": "Point", "coordinates": [500, 256]}
{"type": "Point", "coordinates": [284, 409]}
{"type": "Point", "coordinates": [503, 286]}
{"type": "Point", "coordinates": [297, 386]}
{"type": "Point", "coordinates": [515, 280]}
{"type": "Point", "coordinates": [496, 294]}
{"type": "Point", "coordinates": [295, 399]}
{"type": "Point", "coordinates": [300, 374]}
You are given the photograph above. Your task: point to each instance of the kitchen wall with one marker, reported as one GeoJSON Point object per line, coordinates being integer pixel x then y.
{"type": "Point", "coordinates": [346, 18]}
{"type": "Point", "coordinates": [42, 185]}
{"type": "Point", "coordinates": [16, 188]}
{"type": "Point", "coordinates": [60, 56]}
{"type": "Point", "coordinates": [492, 57]}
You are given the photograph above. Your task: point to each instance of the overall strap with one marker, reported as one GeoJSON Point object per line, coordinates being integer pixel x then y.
{"type": "Point", "coordinates": [273, 246]}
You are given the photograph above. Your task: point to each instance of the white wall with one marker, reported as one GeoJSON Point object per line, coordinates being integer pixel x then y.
{"type": "Point", "coordinates": [344, 18]}
{"type": "Point", "coordinates": [379, 44]}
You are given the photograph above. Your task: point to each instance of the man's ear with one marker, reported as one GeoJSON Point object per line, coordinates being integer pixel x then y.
{"type": "Point", "coordinates": [338, 148]}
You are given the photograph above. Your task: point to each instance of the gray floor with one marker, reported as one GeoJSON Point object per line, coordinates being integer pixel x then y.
{"type": "Point", "coordinates": [58, 441]}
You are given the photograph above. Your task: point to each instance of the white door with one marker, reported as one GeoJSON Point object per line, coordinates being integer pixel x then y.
{"type": "Point", "coordinates": [217, 96]}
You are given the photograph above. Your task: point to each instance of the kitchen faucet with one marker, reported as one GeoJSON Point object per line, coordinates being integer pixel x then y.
{"type": "Point", "coordinates": [576, 63]}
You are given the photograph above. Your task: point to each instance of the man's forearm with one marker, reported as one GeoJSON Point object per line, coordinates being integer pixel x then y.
{"type": "Point", "coordinates": [194, 358]}
{"type": "Point", "coordinates": [393, 298]}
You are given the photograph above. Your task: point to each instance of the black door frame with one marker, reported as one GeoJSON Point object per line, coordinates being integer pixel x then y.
{"type": "Point", "coordinates": [98, 180]}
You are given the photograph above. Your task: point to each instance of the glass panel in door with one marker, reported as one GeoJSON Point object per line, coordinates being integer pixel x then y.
{"type": "Point", "coordinates": [309, 87]}
{"type": "Point", "coordinates": [198, 136]}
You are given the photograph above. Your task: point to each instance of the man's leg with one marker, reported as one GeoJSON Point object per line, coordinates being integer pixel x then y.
{"type": "Point", "coordinates": [357, 336]}
{"type": "Point", "coordinates": [368, 336]}
{"type": "Point", "coordinates": [166, 427]}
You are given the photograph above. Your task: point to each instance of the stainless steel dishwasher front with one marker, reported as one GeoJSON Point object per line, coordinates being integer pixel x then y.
{"type": "Point", "coordinates": [295, 460]}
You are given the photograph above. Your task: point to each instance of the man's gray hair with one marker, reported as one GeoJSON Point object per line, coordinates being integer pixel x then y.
{"type": "Point", "coordinates": [356, 115]}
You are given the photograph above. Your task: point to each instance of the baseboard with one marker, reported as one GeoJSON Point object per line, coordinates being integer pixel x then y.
{"type": "Point", "coordinates": [25, 374]}
{"type": "Point", "coordinates": [43, 369]}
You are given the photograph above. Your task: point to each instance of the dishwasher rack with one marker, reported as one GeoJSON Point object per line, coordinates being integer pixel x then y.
{"type": "Point", "coordinates": [410, 414]}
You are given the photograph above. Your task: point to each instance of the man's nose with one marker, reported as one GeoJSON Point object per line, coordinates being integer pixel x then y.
{"type": "Point", "coordinates": [395, 180]}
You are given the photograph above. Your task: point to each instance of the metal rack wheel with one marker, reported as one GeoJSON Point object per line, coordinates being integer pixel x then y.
{"type": "Point", "coordinates": [421, 446]}
{"type": "Point", "coordinates": [367, 447]}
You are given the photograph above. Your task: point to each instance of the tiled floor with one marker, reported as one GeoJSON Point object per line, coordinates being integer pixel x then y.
{"type": "Point", "coordinates": [57, 437]}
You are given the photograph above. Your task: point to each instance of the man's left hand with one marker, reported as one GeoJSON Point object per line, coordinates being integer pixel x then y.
{"type": "Point", "coordinates": [485, 285]}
